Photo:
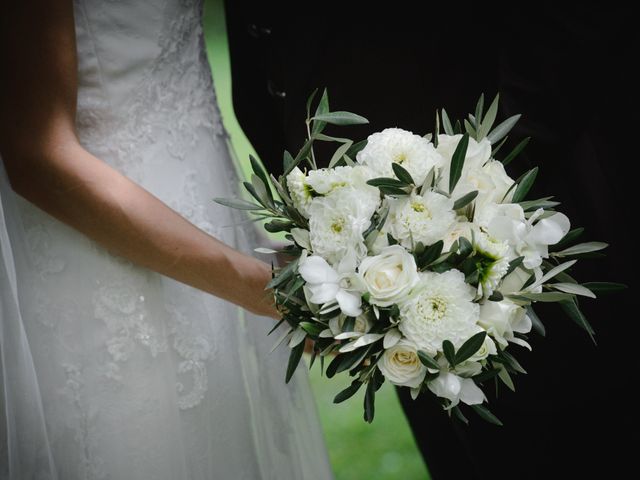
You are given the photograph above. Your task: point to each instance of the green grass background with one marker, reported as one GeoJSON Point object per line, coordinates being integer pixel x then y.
{"type": "Point", "coordinates": [383, 450]}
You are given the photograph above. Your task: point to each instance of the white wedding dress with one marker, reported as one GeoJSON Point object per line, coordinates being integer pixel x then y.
{"type": "Point", "coordinates": [108, 370]}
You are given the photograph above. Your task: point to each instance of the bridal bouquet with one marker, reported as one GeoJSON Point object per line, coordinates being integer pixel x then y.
{"type": "Point", "coordinates": [416, 259]}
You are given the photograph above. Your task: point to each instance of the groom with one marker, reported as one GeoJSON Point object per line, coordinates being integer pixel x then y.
{"type": "Point", "coordinates": [565, 71]}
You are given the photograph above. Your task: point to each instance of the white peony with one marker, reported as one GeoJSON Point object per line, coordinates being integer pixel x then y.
{"type": "Point", "coordinates": [389, 276]}
{"type": "Point", "coordinates": [493, 259]}
{"type": "Point", "coordinates": [440, 307]}
{"type": "Point", "coordinates": [420, 218]}
{"type": "Point", "coordinates": [456, 389]}
{"type": "Point", "coordinates": [415, 153]}
{"type": "Point", "coordinates": [328, 285]}
{"type": "Point", "coordinates": [299, 191]}
{"type": "Point", "coordinates": [401, 366]}
{"type": "Point", "coordinates": [502, 320]}
{"type": "Point", "coordinates": [337, 223]}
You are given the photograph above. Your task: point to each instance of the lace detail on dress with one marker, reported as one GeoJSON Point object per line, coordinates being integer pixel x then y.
{"type": "Point", "coordinates": [173, 99]}
{"type": "Point", "coordinates": [195, 350]}
{"type": "Point", "coordinates": [90, 467]}
{"type": "Point", "coordinates": [123, 310]}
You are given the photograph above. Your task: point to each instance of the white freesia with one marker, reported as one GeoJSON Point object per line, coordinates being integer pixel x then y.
{"type": "Point", "coordinates": [394, 145]}
{"type": "Point", "coordinates": [502, 320]}
{"type": "Point", "coordinates": [328, 285]}
{"type": "Point", "coordinates": [299, 191]}
{"type": "Point", "coordinates": [401, 366]}
{"type": "Point", "coordinates": [530, 238]}
{"type": "Point", "coordinates": [494, 262]}
{"type": "Point", "coordinates": [337, 223]}
{"type": "Point", "coordinates": [456, 389]}
{"type": "Point", "coordinates": [389, 276]}
{"type": "Point", "coordinates": [440, 307]}
{"type": "Point", "coordinates": [420, 218]}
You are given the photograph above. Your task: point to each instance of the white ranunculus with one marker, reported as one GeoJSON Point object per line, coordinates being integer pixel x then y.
{"type": "Point", "coordinates": [389, 276]}
{"type": "Point", "coordinates": [337, 223]}
{"type": "Point", "coordinates": [401, 366]}
{"type": "Point", "coordinates": [456, 389]}
{"type": "Point", "coordinates": [394, 145]}
{"type": "Point", "coordinates": [328, 285]}
{"type": "Point", "coordinates": [420, 218]}
{"type": "Point", "coordinates": [440, 307]}
{"type": "Point", "coordinates": [299, 191]}
{"type": "Point", "coordinates": [502, 320]}
{"type": "Point", "coordinates": [529, 238]}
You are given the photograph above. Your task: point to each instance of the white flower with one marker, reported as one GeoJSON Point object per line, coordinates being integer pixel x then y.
{"type": "Point", "coordinates": [299, 191]}
{"type": "Point", "coordinates": [325, 180]}
{"type": "Point", "coordinates": [361, 325]}
{"type": "Point", "coordinates": [501, 184]}
{"type": "Point", "coordinates": [420, 218]}
{"type": "Point", "coordinates": [528, 238]}
{"type": "Point", "coordinates": [337, 222]}
{"type": "Point", "coordinates": [440, 307]}
{"type": "Point", "coordinates": [514, 282]}
{"type": "Point", "coordinates": [502, 320]}
{"type": "Point", "coordinates": [487, 348]}
{"type": "Point", "coordinates": [492, 257]}
{"type": "Point", "coordinates": [401, 366]}
{"type": "Point", "coordinates": [456, 389]}
{"type": "Point", "coordinates": [328, 285]}
{"type": "Point", "coordinates": [415, 153]}
{"type": "Point", "coordinates": [388, 277]}
{"type": "Point", "coordinates": [476, 156]}
{"type": "Point", "coordinates": [460, 228]}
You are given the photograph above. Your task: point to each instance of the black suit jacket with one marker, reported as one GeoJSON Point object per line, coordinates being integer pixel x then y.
{"type": "Point", "coordinates": [566, 71]}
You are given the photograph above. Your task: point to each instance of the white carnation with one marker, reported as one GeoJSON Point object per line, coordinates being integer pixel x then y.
{"type": "Point", "coordinates": [415, 153]}
{"type": "Point", "coordinates": [440, 307]}
{"type": "Point", "coordinates": [401, 366]}
{"type": "Point", "coordinates": [337, 222]}
{"type": "Point", "coordinates": [299, 191]}
{"type": "Point", "coordinates": [422, 218]}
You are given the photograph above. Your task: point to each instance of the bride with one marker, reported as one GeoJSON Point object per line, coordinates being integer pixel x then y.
{"type": "Point", "coordinates": [122, 351]}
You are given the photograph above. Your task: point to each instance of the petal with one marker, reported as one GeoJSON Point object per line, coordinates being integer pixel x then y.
{"type": "Point", "coordinates": [470, 393]}
{"type": "Point", "coordinates": [349, 303]}
{"type": "Point", "coordinates": [323, 292]}
{"type": "Point", "coordinates": [315, 269]}
{"type": "Point", "coordinates": [391, 338]}
{"type": "Point", "coordinates": [549, 231]}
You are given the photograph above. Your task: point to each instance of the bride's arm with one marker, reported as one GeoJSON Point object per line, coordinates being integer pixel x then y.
{"type": "Point", "coordinates": [47, 165]}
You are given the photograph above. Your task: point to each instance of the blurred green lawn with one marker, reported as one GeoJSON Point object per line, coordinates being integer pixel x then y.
{"type": "Point", "coordinates": [383, 450]}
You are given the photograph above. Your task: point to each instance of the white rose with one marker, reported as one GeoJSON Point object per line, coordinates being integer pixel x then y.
{"type": "Point", "coordinates": [394, 145]}
{"type": "Point", "coordinates": [502, 319]}
{"type": "Point", "coordinates": [401, 366]}
{"type": "Point", "coordinates": [501, 184]}
{"type": "Point", "coordinates": [488, 348]}
{"type": "Point", "coordinates": [388, 277]}
{"type": "Point", "coordinates": [461, 228]}
{"type": "Point", "coordinates": [420, 218]}
{"type": "Point", "coordinates": [477, 152]}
